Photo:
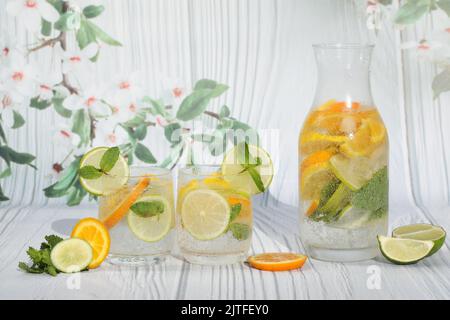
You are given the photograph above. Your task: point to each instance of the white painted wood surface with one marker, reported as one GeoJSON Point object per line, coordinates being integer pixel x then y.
{"type": "Point", "coordinates": [262, 49]}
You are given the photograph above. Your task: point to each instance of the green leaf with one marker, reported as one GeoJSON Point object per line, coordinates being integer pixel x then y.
{"type": "Point", "coordinates": [60, 109]}
{"type": "Point", "coordinates": [68, 21]}
{"type": "Point", "coordinates": [216, 88]}
{"type": "Point", "coordinates": [2, 134]}
{"type": "Point", "coordinates": [2, 195]}
{"type": "Point", "coordinates": [374, 194]}
{"type": "Point", "coordinates": [138, 120]}
{"type": "Point", "coordinates": [17, 157]}
{"type": "Point", "coordinates": [93, 11]}
{"type": "Point", "coordinates": [85, 35]}
{"type": "Point", "coordinates": [24, 267]}
{"type": "Point", "coordinates": [172, 132]}
{"type": "Point", "coordinates": [109, 159]}
{"type": "Point", "coordinates": [102, 35]}
{"type": "Point", "coordinates": [46, 28]}
{"type": "Point", "coordinates": [444, 5]}
{"type": "Point", "coordinates": [235, 210]}
{"type": "Point", "coordinates": [82, 126]}
{"type": "Point", "coordinates": [240, 231]}
{"type": "Point", "coordinates": [90, 173]}
{"type": "Point", "coordinates": [412, 11]}
{"type": "Point", "coordinates": [53, 240]}
{"type": "Point", "coordinates": [146, 209]}
{"type": "Point", "coordinates": [140, 132]}
{"type": "Point", "coordinates": [75, 195]}
{"type": "Point", "coordinates": [194, 104]}
{"type": "Point", "coordinates": [57, 4]}
{"type": "Point", "coordinates": [5, 173]}
{"type": "Point", "coordinates": [249, 135]}
{"type": "Point", "coordinates": [224, 112]}
{"type": "Point", "coordinates": [144, 154]}
{"type": "Point", "coordinates": [39, 104]}
{"type": "Point", "coordinates": [67, 179]}
{"type": "Point", "coordinates": [18, 120]}
{"type": "Point", "coordinates": [157, 107]}
{"type": "Point", "coordinates": [441, 83]}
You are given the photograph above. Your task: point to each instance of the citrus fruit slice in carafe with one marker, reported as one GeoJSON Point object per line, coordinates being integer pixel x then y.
{"type": "Point", "coordinates": [277, 261]}
{"type": "Point", "coordinates": [106, 184]}
{"type": "Point", "coordinates": [71, 255]}
{"type": "Point", "coordinates": [422, 231]}
{"type": "Point", "coordinates": [234, 173]}
{"type": "Point", "coordinates": [404, 251]}
{"type": "Point", "coordinates": [96, 234]}
{"type": "Point", "coordinates": [370, 134]}
{"type": "Point", "coordinates": [126, 200]}
{"type": "Point", "coordinates": [311, 141]}
{"type": "Point", "coordinates": [205, 214]}
{"type": "Point", "coordinates": [151, 227]}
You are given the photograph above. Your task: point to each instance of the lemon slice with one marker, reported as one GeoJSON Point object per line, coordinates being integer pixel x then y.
{"type": "Point", "coordinates": [106, 184]}
{"type": "Point", "coordinates": [231, 169]}
{"type": "Point", "coordinates": [71, 255]}
{"type": "Point", "coordinates": [404, 251]}
{"type": "Point", "coordinates": [205, 214]}
{"type": "Point", "coordinates": [422, 231]}
{"type": "Point", "coordinates": [151, 229]}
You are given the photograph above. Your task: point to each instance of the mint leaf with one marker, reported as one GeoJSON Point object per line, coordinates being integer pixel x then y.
{"type": "Point", "coordinates": [374, 195]}
{"type": "Point", "coordinates": [256, 179]}
{"type": "Point", "coordinates": [93, 11]}
{"type": "Point", "coordinates": [147, 209]}
{"type": "Point", "coordinates": [235, 210]}
{"type": "Point", "coordinates": [109, 159]}
{"type": "Point", "coordinates": [240, 231]}
{"type": "Point", "coordinates": [53, 240]}
{"type": "Point", "coordinates": [23, 266]}
{"type": "Point", "coordinates": [90, 172]}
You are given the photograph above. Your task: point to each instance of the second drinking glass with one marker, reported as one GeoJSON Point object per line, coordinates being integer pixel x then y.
{"type": "Point", "coordinates": [214, 217]}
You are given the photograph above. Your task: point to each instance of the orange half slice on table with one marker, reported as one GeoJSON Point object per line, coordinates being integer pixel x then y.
{"type": "Point", "coordinates": [277, 261]}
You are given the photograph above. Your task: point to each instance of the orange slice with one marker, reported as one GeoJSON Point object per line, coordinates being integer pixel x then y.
{"type": "Point", "coordinates": [316, 158]}
{"type": "Point", "coordinates": [312, 208]}
{"type": "Point", "coordinates": [96, 234]}
{"type": "Point", "coordinates": [313, 179]}
{"type": "Point", "coordinates": [365, 140]}
{"type": "Point", "coordinates": [277, 261]}
{"type": "Point", "coordinates": [123, 207]}
{"type": "Point", "coordinates": [313, 141]}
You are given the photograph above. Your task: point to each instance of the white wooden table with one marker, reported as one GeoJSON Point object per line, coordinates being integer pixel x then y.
{"type": "Point", "coordinates": [276, 229]}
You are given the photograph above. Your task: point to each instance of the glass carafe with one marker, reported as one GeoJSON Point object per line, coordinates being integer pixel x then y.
{"type": "Point", "coordinates": [343, 160]}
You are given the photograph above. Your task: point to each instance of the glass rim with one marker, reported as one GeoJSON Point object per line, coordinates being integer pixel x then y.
{"type": "Point", "coordinates": [343, 45]}
{"type": "Point", "coordinates": [186, 171]}
{"type": "Point", "coordinates": [163, 171]}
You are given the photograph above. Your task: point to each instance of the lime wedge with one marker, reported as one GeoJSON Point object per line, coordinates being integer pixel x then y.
{"type": "Point", "coordinates": [205, 214]}
{"type": "Point", "coordinates": [106, 184]}
{"type": "Point", "coordinates": [151, 229]}
{"type": "Point", "coordinates": [231, 169]}
{"type": "Point", "coordinates": [404, 251]}
{"type": "Point", "coordinates": [71, 255]}
{"type": "Point", "coordinates": [422, 231]}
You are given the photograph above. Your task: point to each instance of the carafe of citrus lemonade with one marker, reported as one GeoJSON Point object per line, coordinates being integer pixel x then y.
{"type": "Point", "coordinates": [343, 160]}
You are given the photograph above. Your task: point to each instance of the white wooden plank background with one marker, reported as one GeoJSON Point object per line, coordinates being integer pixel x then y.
{"type": "Point", "coordinates": [262, 49]}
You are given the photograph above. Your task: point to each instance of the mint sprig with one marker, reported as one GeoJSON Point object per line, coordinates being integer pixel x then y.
{"type": "Point", "coordinates": [107, 162]}
{"type": "Point", "coordinates": [240, 231]}
{"type": "Point", "coordinates": [249, 164]}
{"type": "Point", "coordinates": [40, 259]}
{"type": "Point", "coordinates": [235, 210]}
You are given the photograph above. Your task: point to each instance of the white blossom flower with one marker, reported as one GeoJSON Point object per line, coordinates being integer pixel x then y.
{"type": "Point", "coordinates": [7, 108]}
{"type": "Point", "coordinates": [46, 84]}
{"type": "Point", "coordinates": [31, 12]}
{"type": "Point", "coordinates": [7, 47]}
{"type": "Point", "coordinates": [108, 133]}
{"type": "Point", "coordinates": [427, 49]}
{"type": "Point", "coordinates": [64, 138]}
{"type": "Point", "coordinates": [174, 92]}
{"type": "Point", "coordinates": [88, 99]}
{"type": "Point", "coordinates": [121, 114]}
{"type": "Point", "coordinates": [79, 60]}
{"type": "Point", "coordinates": [18, 78]}
{"type": "Point", "coordinates": [125, 89]}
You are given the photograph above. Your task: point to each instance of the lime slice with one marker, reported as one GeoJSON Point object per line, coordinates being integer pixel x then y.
{"type": "Point", "coordinates": [71, 255]}
{"type": "Point", "coordinates": [404, 251]}
{"type": "Point", "coordinates": [352, 218]}
{"type": "Point", "coordinates": [205, 214]}
{"type": "Point", "coordinates": [422, 231]}
{"type": "Point", "coordinates": [106, 184]}
{"type": "Point", "coordinates": [354, 173]}
{"type": "Point", "coordinates": [151, 229]}
{"type": "Point", "coordinates": [231, 169]}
